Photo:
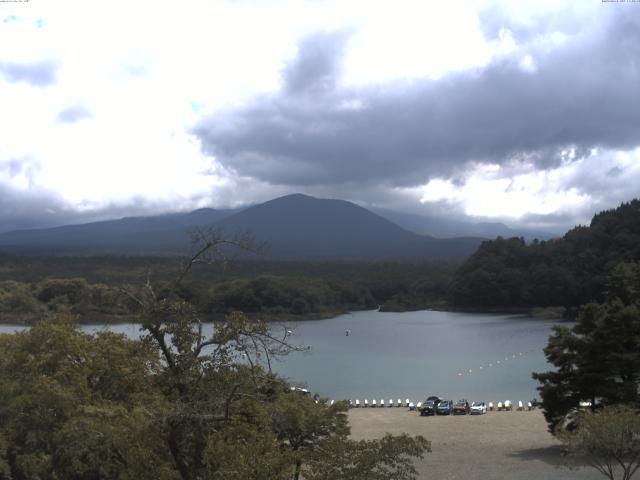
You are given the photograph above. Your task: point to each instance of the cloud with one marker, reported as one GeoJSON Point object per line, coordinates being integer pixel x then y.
{"type": "Point", "coordinates": [73, 114]}
{"type": "Point", "coordinates": [583, 93]}
{"type": "Point", "coordinates": [317, 65]}
{"type": "Point", "coordinates": [38, 74]}
{"type": "Point", "coordinates": [38, 207]}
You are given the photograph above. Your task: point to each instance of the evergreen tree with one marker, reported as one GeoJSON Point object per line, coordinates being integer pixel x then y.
{"type": "Point", "coordinates": [598, 360]}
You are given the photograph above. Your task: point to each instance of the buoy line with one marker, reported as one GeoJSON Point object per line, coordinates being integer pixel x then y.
{"type": "Point", "coordinates": [501, 361]}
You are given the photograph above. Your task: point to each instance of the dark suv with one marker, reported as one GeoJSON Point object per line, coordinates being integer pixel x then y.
{"type": "Point", "coordinates": [429, 406]}
{"type": "Point", "coordinates": [445, 407]}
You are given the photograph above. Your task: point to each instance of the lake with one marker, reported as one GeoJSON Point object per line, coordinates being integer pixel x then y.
{"type": "Point", "coordinates": [414, 354]}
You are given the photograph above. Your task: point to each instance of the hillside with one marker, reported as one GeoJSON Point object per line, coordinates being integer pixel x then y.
{"type": "Point", "coordinates": [294, 227]}
{"type": "Point", "coordinates": [568, 271]}
{"type": "Point", "coordinates": [131, 234]}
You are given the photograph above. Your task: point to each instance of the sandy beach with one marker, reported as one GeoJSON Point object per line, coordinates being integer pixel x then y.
{"type": "Point", "coordinates": [499, 445]}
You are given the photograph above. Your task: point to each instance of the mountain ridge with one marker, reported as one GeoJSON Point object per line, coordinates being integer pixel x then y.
{"type": "Point", "coordinates": [296, 226]}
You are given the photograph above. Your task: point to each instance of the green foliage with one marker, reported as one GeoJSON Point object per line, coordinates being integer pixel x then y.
{"type": "Point", "coordinates": [175, 404]}
{"type": "Point", "coordinates": [73, 404]}
{"type": "Point", "coordinates": [291, 289]}
{"type": "Point", "coordinates": [389, 458]}
{"type": "Point", "coordinates": [569, 271]}
{"type": "Point", "coordinates": [295, 295]}
{"type": "Point", "coordinates": [597, 360]}
{"type": "Point", "coordinates": [608, 441]}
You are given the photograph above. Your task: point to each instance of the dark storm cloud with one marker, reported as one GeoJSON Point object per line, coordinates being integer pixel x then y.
{"type": "Point", "coordinates": [583, 94]}
{"type": "Point", "coordinates": [73, 114]}
{"type": "Point", "coordinates": [39, 74]}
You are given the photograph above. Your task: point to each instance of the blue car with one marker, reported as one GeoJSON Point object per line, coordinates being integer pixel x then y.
{"type": "Point", "coordinates": [445, 407]}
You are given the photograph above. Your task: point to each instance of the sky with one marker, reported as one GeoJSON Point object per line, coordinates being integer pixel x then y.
{"type": "Point", "coordinates": [522, 112]}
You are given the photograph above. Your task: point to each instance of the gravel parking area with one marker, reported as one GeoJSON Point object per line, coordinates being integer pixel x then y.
{"type": "Point", "coordinates": [499, 445]}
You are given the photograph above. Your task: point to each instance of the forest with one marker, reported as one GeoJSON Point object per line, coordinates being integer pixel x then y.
{"type": "Point", "coordinates": [568, 271]}
{"type": "Point", "coordinates": [92, 287]}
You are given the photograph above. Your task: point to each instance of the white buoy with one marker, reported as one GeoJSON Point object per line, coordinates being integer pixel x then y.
{"type": "Point", "coordinates": [381, 403]}
{"type": "Point", "coordinates": [491, 406]}
{"type": "Point", "coordinates": [357, 403]}
{"type": "Point", "coordinates": [399, 404]}
{"type": "Point", "coordinates": [374, 404]}
{"type": "Point", "coordinates": [411, 406]}
{"type": "Point", "coordinates": [366, 403]}
{"type": "Point", "coordinates": [418, 405]}
{"type": "Point", "coordinates": [391, 402]}
{"type": "Point", "coordinates": [406, 404]}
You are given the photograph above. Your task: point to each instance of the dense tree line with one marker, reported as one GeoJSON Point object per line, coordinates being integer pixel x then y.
{"type": "Point", "coordinates": [569, 271]}
{"type": "Point", "coordinates": [32, 287]}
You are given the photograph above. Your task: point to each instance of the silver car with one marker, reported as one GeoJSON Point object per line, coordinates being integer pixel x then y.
{"type": "Point", "coordinates": [478, 408]}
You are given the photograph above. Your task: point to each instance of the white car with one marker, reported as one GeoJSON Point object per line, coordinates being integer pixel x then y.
{"type": "Point", "coordinates": [478, 408]}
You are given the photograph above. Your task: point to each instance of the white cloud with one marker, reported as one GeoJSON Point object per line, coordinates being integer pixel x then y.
{"type": "Point", "coordinates": [141, 76]}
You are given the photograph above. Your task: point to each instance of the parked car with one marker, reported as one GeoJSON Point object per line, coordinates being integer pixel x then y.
{"type": "Point", "coordinates": [428, 408]}
{"type": "Point", "coordinates": [429, 405]}
{"type": "Point", "coordinates": [478, 408]}
{"type": "Point", "coordinates": [461, 407]}
{"type": "Point", "coordinates": [445, 407]}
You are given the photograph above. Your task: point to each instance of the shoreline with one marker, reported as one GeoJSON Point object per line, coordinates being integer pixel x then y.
{"type": "Point", "coordinates": [541, 313]}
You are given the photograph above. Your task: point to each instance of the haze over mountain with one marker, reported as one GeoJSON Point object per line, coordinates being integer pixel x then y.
{"type": "Point", "coordinates": [294, 227]}
{"type": "Point", "coordinates": [442, 227]}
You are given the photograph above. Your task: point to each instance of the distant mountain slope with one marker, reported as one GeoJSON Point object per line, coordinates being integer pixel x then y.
{"type": "Point", "coordinates": [448, 228]}
{"type": "Point", "coordinates": [299, 226]}
{"type": "Point", "coordinates": [130, 234]}
{"type": "Point", "coordinates": [295, 227]}
{"type": "Point", "coordinates": [568, 271]}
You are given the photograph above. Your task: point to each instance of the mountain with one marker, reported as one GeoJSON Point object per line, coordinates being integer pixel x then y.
{"type": "Point", "coordinates": [298, 226]}
{"type": "Point", "coordinates": [440, 227]}
{"type": "Point", "coordinates": [567, 271]}
{"type": "Point", "coordinates": [295, 227]}
{"type": "Point", "coordinates": [130, 234]}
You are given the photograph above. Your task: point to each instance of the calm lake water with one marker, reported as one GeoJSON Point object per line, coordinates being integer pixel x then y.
{"type": "Point", "coordinates": [413, 354]}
